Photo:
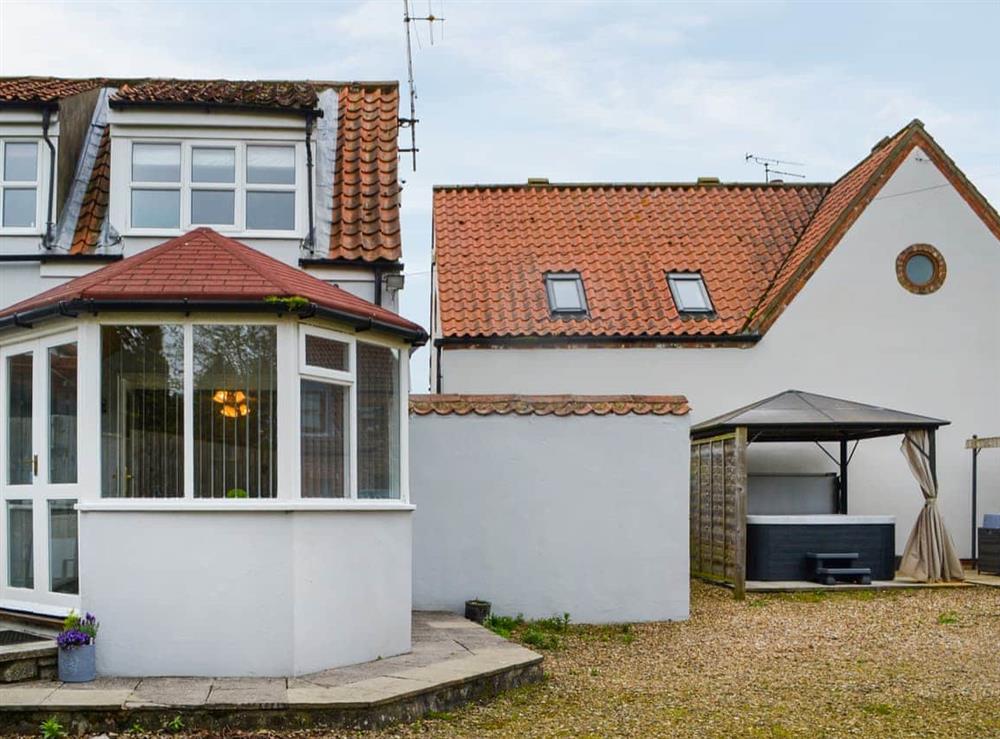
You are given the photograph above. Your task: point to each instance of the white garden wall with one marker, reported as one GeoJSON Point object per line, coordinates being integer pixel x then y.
{"type": "Point", "coordinates": [546, 514]}
{"type": "Point", "coordinates": [852, 332]}
{"type": "Point", "coordinates": [247, 592]}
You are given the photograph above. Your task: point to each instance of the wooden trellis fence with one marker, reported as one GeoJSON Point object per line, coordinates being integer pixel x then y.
{"type": "Point", "coordinates": [719, 508]}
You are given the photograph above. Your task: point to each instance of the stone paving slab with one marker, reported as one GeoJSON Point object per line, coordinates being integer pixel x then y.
{"type": "Point", "coordinates": [452, 661]}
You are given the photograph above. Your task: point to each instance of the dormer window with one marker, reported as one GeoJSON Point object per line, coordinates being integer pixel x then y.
{"type": "Point", "coordinates": [565, 291]}
{"type": "Point", "coordinates": [237, 187]}
{"type": "Point", "coordinates": [689, 292]}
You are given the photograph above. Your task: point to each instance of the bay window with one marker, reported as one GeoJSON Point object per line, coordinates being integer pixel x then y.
{"type": "Point", "coordinates": [20, 182]}
{"type": "Point", "coordinates": [239, 186]}
{"type": "Point", "coordinates": [194, 410]}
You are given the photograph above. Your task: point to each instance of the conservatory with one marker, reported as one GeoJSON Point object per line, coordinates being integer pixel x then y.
{"type": "Point", "coordinates": [207, 448]}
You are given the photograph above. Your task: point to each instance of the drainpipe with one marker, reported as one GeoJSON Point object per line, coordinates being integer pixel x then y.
{"type": "Point", "coordinates": [439, 375]}
{"type": "Point", "coordinates": [377, 272]}
{"type": "Point", "coordinates": [310, 241]}
{"type": "Point", "coordinates": [49, 238]}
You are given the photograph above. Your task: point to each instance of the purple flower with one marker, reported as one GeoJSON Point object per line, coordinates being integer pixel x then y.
{"type": "Point", "coordinates": [72, 638]}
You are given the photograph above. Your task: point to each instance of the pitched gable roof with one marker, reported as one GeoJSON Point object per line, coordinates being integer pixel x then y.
{"type": "Point", "coordinates": [366, 182]}
{"type": "Point", "coordinates": [847, 199]}
{"type": "Point", "coordinates": [205, 269]}
{"type": "Point", "coordinates": [755, 245]}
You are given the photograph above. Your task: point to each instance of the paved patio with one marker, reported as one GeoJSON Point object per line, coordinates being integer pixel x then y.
{"type": "Point", "coordinates": [452, 661]}
{"type": "Point", "coordinates": [787, 586]}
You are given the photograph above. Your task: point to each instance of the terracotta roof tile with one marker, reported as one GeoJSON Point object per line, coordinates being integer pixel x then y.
{"type": "Point", "coordinates": [205, 266]}
{"type": "Point", "coordinates": [43, 89]}
{"type": "Point", "coordinates": [493, 246]}
{"type": "Point", "coordinates": [94, 208]}
{"type": "Point", "coordinates": [238, 93]}
{"type": "Point", "coordinates": [548, 405]}
{"type": "Point", "coordinates": [366, 185]}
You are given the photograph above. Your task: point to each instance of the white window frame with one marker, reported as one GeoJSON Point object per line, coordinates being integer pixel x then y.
{"type": "Point", "coordinates": [240, 187]}
{"type": "Point", "coordinates": [346, 379]}
{"type": "Point", "coordinates": [697, 278]}
{"type": "Point", "coordinates": [40, 184]}
{"type": "Point", "coordinates": [577, 279]}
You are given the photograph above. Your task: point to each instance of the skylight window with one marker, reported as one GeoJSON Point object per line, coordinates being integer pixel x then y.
{"type": "Point", "coordinates": [565, 291]}
{"type": "Point", "coordinates": [690, 294]}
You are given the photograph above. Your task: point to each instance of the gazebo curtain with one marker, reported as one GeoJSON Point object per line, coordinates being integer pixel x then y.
{"type": "Point", "coordinates": [930, 553]}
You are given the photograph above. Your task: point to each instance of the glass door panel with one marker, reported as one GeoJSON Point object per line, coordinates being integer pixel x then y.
{"type": "Point", "coordinates": [20, 544]}
{"type": "Point", "coordinates": [62, 373]}
{"type": "Point", "coordinates": [20, 459]}
{"type": "Point", "coordinates": [40, 435]}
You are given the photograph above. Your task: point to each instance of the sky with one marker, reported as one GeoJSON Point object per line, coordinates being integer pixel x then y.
{"type": "Point", "coordinates": [576, 91]}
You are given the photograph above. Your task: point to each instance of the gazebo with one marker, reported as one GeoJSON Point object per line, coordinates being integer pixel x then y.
{"type": "Point", "coordinates": [719, 514]}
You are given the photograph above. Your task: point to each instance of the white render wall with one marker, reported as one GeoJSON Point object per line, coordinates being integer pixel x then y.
{"type": "Point", "coordinates": [852, 332]}
{"type": "Point", "coordinates": [246, 593]}
{"type": "Point", "coordinates": [543, 515]}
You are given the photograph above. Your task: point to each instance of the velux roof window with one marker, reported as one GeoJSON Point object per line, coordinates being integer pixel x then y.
{"type": "Point", "coordinates": [565, 291]}
{"type": "Point", "coordinates": [689, 292]}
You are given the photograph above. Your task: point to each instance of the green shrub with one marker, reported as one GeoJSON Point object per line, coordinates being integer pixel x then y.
{"type": "Point", "coordinates": [52, 729]}
{"type": "Point", "coordinates": [540, 638]}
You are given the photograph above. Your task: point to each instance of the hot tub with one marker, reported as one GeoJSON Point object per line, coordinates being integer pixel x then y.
{"type": "Point", "coordinates": [777, 545]}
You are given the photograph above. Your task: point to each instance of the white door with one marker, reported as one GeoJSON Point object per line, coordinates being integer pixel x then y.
{"type": "Point", "coordinates": [39, 472]}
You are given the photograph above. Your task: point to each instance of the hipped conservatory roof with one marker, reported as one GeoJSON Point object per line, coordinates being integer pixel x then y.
{"type": "Point", "coordinates": [794, 415]}
{"type": "Point", "coordinates": [205, 271]}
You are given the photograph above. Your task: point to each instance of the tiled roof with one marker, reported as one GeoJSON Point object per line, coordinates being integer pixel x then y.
{"type": "Point", "coordinates": [203, 266]}
{"type": "Point", "coordinates": [756, 246]}
{"type": "Point", "coordinates": [493, 246]}
{"type": "Point", "coordinates": [366, 186]}
{"type": "Point", "coordinates": [237, 93]}
{"type": "Point", "coordinates": [94, 207]}
{"type": "Point", "coordinates": [548, 405]}
{"type": "Point", "coordinates": [43, 89]}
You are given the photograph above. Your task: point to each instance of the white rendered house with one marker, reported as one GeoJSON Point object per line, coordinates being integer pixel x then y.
{"type": "Point", "coordinates": [203, 437]}
{"type": "Point", "coordinates": [233, 434]}
{"type": "Point", "coordinates": [880, 287]}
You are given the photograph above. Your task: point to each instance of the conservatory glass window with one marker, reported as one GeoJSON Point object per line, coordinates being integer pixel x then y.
{"type": "Point", "coordinates": [142, 411]}
{"type": "Point", "coordinates": [235, 411]}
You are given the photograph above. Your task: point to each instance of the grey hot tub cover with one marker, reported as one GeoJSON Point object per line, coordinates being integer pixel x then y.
{"type": "Point", "coordinates": [930, 553]}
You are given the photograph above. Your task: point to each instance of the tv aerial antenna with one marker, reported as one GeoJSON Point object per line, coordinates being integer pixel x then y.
{"type": "Point", "coordinates": [769, 166]}
{"type": "Point", "coordinates": [408, 19]}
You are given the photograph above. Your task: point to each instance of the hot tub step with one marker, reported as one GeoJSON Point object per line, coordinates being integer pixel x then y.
{"type": "Point", "coordinates": [831, 575]}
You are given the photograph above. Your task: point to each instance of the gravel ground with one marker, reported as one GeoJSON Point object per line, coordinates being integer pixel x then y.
{"type": "Point", "coordinates": [890, 664]}
{"type": "Point", "coordinates": [898, 663]}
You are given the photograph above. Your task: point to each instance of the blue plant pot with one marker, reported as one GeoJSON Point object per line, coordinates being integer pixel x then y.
{"type": "Point", "coordinates": [78, 664]}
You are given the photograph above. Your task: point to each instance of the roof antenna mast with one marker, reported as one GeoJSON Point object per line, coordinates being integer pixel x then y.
{"type": "Point", "coordinates": [411, 122]}
{"type": "Point", "coordinates": [769, 169]}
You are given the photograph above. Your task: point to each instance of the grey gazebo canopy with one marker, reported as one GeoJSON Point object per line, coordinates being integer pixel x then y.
{"type": "Point", "coordinates": [798, 416]}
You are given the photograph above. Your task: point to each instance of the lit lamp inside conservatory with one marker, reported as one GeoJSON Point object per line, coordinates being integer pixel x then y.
{"type": "Point", "coordinates": [234, 403]}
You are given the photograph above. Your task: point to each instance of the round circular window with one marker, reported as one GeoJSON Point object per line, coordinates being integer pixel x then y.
{"type": "Point", "coordinates": [920, 269]}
